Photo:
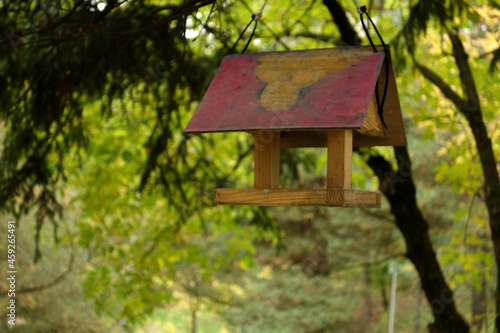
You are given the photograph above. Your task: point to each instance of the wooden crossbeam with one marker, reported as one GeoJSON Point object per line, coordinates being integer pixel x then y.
{"type": "Point", "coordinates": [298, 197]}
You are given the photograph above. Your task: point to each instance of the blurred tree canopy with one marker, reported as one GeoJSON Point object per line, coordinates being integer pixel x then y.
{"type": "Point", "coordinates": [95, 96]}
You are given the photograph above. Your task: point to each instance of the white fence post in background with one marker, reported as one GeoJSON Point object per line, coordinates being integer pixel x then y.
{"type": "Point", "coordinates": [393, 299]}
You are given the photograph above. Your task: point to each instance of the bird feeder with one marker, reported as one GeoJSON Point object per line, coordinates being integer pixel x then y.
{"type": "Point", "coordinates": [313, 98]}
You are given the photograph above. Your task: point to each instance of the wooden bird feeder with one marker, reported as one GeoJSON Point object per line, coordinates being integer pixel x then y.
{"type": "Point", "coordinates": [313, 98]}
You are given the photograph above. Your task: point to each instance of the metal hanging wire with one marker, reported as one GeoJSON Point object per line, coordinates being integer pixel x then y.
{"type": "Point", "coordinates": [380, 103]}
{"type": "Point", "coordinates": [255, 18]}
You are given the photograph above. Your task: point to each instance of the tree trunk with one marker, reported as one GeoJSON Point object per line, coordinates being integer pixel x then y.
{"type": "Point", "coordinates": [470, 107]}
{"type": "Point", "coordinates": [478, 307]}
{"type": "Point", "coordinates": [368, 297]}
{"type": "Point", "coordinates": [416, 327]}
{"type": "Point", "coordinates": [383, 292]}
{"type": "Point", "coordinates": [399, 189]}
{"type": "Point", "coordinates": [194, 326]}
{"type": "Point", "coordinates": [380, 6]}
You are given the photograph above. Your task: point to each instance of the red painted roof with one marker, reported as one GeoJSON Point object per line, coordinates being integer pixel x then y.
{"type": "Point", "coordinates": [312, 89]}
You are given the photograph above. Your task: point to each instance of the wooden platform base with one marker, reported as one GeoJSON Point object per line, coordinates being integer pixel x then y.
{"type": "Point", "coordinates": [298, 197]}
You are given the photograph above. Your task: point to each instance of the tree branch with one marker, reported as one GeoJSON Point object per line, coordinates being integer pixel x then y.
{"type": "Point", "coordinates": [323, 38]}
{"type": "Point", "coordinates": [461, 58]}
{"type": "Point", "coordinates": [447, 91]}
{"type": "Point", "coordinates": [399, 188]}
{"type": "Point", "coordinates": [496, 58]}
{"type": "Point", "coordinates": [347, 32]}
{"type": "Point", "coordinates": [52, 283]}
{"type": "Point", "coordinates": [471, 109]}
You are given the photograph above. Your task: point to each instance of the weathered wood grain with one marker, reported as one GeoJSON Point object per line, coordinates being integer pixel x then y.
{"type": "Point", "coordinates": [339, 159]}
{"type": "Point", "coordinates": [267, 159]}
{"type": "Point", "coordinates": [298, 197]}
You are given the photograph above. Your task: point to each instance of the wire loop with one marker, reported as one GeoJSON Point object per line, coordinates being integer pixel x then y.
{"type": "Point", "coordinates": [380, 103]}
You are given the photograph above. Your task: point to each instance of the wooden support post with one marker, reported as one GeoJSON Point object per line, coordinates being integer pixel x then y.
{"type": "Point", "coordinates": [338, 172]}
{"type": "Point", "coordinates": [267, 159]}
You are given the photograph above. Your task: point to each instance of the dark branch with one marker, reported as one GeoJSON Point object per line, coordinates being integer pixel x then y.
{"type": "Point", "coordinates": [347, 32]}
{"type": "Point", "coordinates": [445, 88]}
{"type": "Point", "coordinates": [52, 283]}
{"type": "Point", "coordinates": [323, 38]}
{"type": "Point", "coordinates": [461, 58]}
{"type": "Point", "coordinates": [494, 60]}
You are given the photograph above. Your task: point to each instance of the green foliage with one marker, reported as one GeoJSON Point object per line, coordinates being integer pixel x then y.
{"type": "Point", "coordinates": [144, 242]}
{"type": "Point", "coordinates": [94, 101]}
{"type": "Point", "coordinates": [49, 295]}
{"type": "Point", "coordinates": [467, 256]}
{"type": "Point", "coordinates": [421, 15]}
{"type": "Point", "coordinates": [172, 320]}
{"type": "Point", "coordinates": [51, 69]}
